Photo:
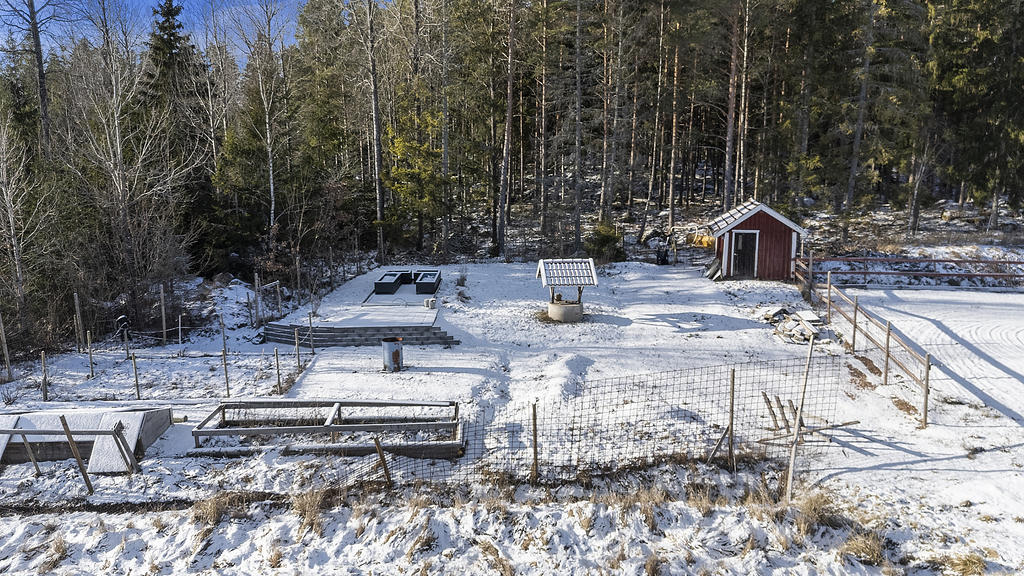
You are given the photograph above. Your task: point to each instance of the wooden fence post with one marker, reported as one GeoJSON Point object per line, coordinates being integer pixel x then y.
{"type": "Point", "coordinates": [927, 389]}
{"type": "Point", "coordinates": [330, 262]}
{"type": "Point", "coordinates": [76, 453]}
{"type": "Point", "coordinates": [828, 303]}
{"type": "Point", "coordinates": [127, 354]}
{"type": "Point", "coordinates": [383, 462]}
{"type": "Point", "coordinates": [298, 279]}
{"type": "Point", "coordinates": [534, 471]}
{"type": "Point", "coordinates": [180, 339]}
{"type": "Point", "coordinates": [79, 326]}
{"type": "Point", "coordinates": [7, 354]}
{"type": "Point", "coordinates": [135, 370]}
{"type": "Point", "coordinates": [223, 333]}
{"type": "Point", "coordinates": [256, 297]}
{"type": "Point", "coordinates": [277, 361]}
{"type": "Point", "coordinates": [227, 382]}
{"type": "Point", "coordinates": [88, 345]}
{"type": "Point", "coordinates": [163, 318]}
{"type": "Point", "coordinates": [888, 337]}
{"type": "Point", "coordinates": [796, 425]}
{"type": "Point", "coordinates": [46, 378]}
{"type": "Point", "coordinates": [298, 357]}
{"type": "Point", "coordinates": [810, 274]}
{"type": "Point", "coordinates": [771, 411]}
{"type": "Point", "coordinates": [856, 307]}
{"type": "Point", "coordinates": [31, 454]}
{"type": "Point", "coordinates": [312, 350]}
{"type": "Point", "coordinates": [732, 418]}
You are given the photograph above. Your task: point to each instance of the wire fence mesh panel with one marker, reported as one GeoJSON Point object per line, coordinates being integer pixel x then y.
{"type": "Point", "coordinates": [604, 426]}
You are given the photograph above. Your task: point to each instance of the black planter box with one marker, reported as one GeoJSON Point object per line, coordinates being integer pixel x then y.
{"type": "Point", "coordinates": [388, 283]}
{"type": "Point", "coordinates": [427, 281]}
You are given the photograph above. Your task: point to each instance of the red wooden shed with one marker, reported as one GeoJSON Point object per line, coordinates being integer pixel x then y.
{"type": "Point", "coordinates": [754, 241]}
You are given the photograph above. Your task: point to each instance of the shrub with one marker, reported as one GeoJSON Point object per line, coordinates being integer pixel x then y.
{"type": "Point", "coordinates": [605, 244]}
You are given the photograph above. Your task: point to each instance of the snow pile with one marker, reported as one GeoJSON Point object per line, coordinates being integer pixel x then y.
{"type": "Point", "coordinates": [897, 498]}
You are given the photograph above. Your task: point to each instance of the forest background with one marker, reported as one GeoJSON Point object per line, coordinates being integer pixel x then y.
{"type": "Point", "coordinates": [139, 144]}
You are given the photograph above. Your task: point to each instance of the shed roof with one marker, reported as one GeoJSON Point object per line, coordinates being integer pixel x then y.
{"type": "Point", "coordinates": [741, 213]}
{"type": "Point", "coordinates": [567, 272]}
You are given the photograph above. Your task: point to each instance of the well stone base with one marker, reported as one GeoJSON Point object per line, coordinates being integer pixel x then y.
{"type": "Point", "coordinates": [568, 313]}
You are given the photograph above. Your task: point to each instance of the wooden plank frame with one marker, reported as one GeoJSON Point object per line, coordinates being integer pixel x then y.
{"type": "Point", "coordinates": [335, 424]}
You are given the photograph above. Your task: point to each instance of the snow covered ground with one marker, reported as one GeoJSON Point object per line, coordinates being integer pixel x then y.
{"type": "Point", "coordinates": [885, 479]}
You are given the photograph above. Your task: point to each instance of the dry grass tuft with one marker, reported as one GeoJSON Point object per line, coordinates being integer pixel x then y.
{"type": "Point", "coordinates": [423, 543]}
{"type": "Point", "coordinates": [652, 567]}
{"type": "Point", "coordinates": [700, 497]}
{"type": "Point", "coordinates": [616, 562]}
{"type": "Point", "coordinates": [816, 509]}
{"type": "Point", "coordinates": [760, 503]}
{"type": "Point", "coordinates": [587, 520]}
{"type": "Point", "coordinates": [209, 512]}
{"type": "Point", "coordinates": [866, 546]}
{"type": "Point", "coordinates": [57, 553]}
{"type": "Point", "coordinates": [307, 506]}
{"type": "Point", "coordinates": [500, 564]}
{"type": "Point", "coordinates": [159, 524]}
{"type": "Point", "coordinates": [904, 406]}
{"type": "Point", "coordinates": [275, 557]}
{"type": "Point", "coordinates": [965, 564]}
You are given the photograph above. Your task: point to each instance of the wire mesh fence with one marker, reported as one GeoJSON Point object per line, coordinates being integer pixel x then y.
{"type": "Point", "coordinates": [600, 427]}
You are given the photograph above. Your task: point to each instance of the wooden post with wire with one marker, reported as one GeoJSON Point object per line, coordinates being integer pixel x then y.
{"type": "Point", "coordinates": [223, 333]}
{"type": "Point", "coordinates": [135, 370]}
{"type": "Point", "coordinates": [227, 381]}
{"type": "Point", "coordinates": [298, 356]}
{"type": "Point", "coordinates": [312, 350]}
{"type": "Point", "coordinates": [180, 338]}
{"type": "Point", "coordinates": [856, 308]}
{"type": "Point", "coordinates": [277, 361]}
{"type": "Point", "coordinates": [927, 389]}
{"type": "Point", "coordinates": [330, 262]}
{"type": "Point", "coordinates": [796, 426]}
{"type": "Point", "coordinates": [31, 454]}
{"type": "Point", "coordinates": [298, 279]}
{"type": "Point", "coordinates": [79, 326]}
{"type": "Point", "coordinates": [256, 298]}
{"type": "Point", "coordinates": [828, 302]}
{"type": "Point", "coordinates": [535, 470]}
{"type": "Point", "coordinates": [732, 418]}
{"type": "Point", "coordinates": [383, 462]}
{"type": "Point", "coordinates": [888, 338]}
{"type": "Point", "coordinates": [88, 345]}
{"type": "Point", "coordinates": [7, 354]}
{"type": "Point", "coordinates": [76, 453]}
{"type": "Point", "coordinates": [46, 378]}
{"type": "Point", "coordinates": [127, 354]}
{"type": "Point", "coordinates": [163, 318]}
